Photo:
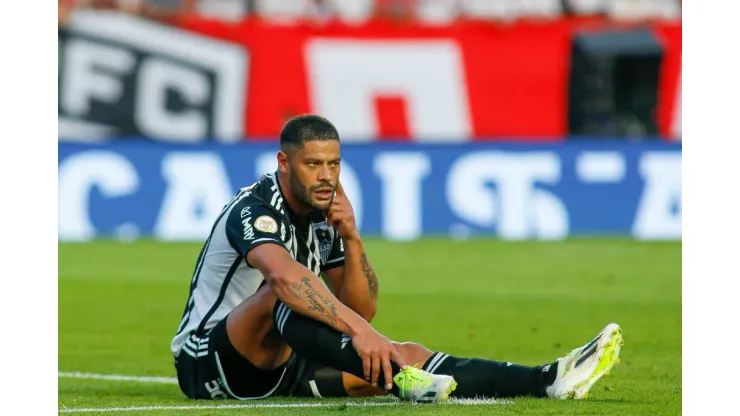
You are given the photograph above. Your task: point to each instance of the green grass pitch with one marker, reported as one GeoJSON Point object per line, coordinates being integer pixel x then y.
{"type": "Point", "coordinates": [526, 302]}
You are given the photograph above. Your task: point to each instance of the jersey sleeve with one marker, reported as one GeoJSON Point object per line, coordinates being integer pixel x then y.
{"type": "Point", "coordinates": [252, 224]}
{"type": "Point", "coordinates": [336, 255]}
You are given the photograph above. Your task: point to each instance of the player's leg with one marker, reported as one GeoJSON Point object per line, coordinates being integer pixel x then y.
{"type": "Point", "coordinates": [329, 382]}
{"type": "Point", "coordinates": [251, 333]}
{"type": "Point", "coordinates": [320, 343]}
{"type": "Point", "coordinates": [324, 345]}
{"type": "Point", "coordinates": [476, 377]}
{"type": "Point", "coordinates": [251, 350]}
{"type": "Point", "coordinates": [568, 377]}
{"type": "Point", "coordinates": [357, 387]}
{"type": "Point", "coordinates": [241, 357]}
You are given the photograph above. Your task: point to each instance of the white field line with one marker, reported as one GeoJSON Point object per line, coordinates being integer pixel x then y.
{"type": "Point", "coordinates": [221, 406]}
{"type": "Point", "coordinates": [269, 405]}
{"type": "Point", "coordinates": [118, 377]}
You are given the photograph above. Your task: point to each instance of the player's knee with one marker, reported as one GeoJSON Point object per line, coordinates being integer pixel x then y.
{"type": "Point", "coordinates": [413, 353]}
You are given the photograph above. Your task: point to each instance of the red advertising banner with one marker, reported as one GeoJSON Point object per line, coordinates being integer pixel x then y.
{"type": "Point", "coordinates": [669, 90]}
{"type": "Point", "coordinates": [485, 81]}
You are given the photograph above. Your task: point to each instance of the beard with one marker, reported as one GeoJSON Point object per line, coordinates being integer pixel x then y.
{"type": "Point", "coordinates": [303, 193]}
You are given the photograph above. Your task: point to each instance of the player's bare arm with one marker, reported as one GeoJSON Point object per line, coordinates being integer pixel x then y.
{"type": "Point", "coordinates": [355, 284]}
{"type": "Point", "coordinates": [299, 288]}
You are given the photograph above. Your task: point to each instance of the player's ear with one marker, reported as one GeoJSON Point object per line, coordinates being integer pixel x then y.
{"type": "Point", "coordinates": [282, 159]}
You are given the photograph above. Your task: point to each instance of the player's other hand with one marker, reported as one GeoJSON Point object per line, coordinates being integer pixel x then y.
{"type": "Point", "coordinates": [377, 352]}
{"type": "Point", "coordinates": [341, 216]}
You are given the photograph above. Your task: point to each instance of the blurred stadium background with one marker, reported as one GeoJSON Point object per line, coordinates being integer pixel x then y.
{"type": "Point", "coordinates": [516, 119]}
{"type": "Point", "coordinates": [485, 120]}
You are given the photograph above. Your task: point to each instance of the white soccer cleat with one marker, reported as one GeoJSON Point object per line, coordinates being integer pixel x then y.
{"type": "Point", "coordinates": [418, 385]}
{"type": "Point", "coordinates": [580, 369]}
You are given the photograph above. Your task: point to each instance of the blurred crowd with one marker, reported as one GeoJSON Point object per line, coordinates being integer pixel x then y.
{"type": "Point", "coordinates": [358, 11]}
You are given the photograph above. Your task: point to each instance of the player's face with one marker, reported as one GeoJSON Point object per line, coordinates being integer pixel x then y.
{"type": "Point", "coordinates": [314, 173]}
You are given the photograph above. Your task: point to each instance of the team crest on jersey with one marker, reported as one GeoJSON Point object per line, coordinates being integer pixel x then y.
{"type": "Point", "coordinates": [323, 237]}
{"type": "Point", "coordinates": [266, 224]}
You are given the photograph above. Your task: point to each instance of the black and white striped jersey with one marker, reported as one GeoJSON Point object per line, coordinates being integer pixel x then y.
{"type": "Point", "coordinates": [222, 278]}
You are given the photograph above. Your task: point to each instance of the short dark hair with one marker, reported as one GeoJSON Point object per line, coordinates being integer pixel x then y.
{"type": "Point", "coordinates": [305, 127]}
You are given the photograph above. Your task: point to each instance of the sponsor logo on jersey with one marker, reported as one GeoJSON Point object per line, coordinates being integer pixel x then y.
{"type": "Point", "coordinates": [246, 216]}
{"type": "Point", "coordinates": [266, 224]}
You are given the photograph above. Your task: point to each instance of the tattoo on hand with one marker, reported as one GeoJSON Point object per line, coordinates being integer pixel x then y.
{"type": "Point", "coordinates": [318, 303]}
{"type": "Point", "coordinates": [372, 280]}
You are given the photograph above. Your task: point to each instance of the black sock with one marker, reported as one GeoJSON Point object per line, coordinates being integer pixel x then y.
{"type": "Point", "coordinates": [329, 382]}
{"type": "Point", "coordinates": [321, 343]}
{"type": "Point", "coordinates": [479, 378]}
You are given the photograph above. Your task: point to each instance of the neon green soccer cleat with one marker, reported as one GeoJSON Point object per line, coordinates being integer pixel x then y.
{"type": "Point", "coordinates": [584, 366]}
{"type": "Point", "coordinates": [419, 386]}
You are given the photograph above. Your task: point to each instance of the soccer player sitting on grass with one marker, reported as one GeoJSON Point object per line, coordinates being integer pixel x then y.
{"type": "Point", "coordinates": [260, 322]}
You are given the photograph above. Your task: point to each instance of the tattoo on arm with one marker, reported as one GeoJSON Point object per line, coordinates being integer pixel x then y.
{"type": "Point", "coordinates": [318, 303]}
{"type": "Point", "coordinates": [295, 290]}
{"type": "Point", "coordinates": [372, 280]}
